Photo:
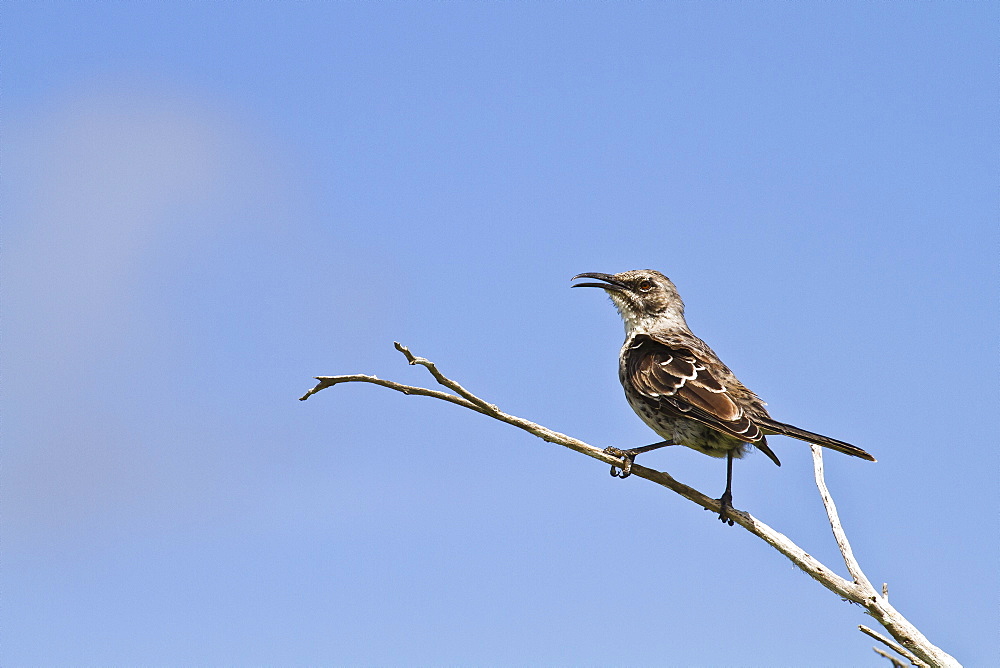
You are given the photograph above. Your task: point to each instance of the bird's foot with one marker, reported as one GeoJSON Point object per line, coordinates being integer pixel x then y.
{"type": "Point", "coordinates": [725, 505]}
{"type": "Point", "coordinates": [628, 457]}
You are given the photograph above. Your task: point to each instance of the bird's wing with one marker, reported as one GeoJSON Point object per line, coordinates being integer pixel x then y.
{"type": "Point", "coordinates": [675, 375]}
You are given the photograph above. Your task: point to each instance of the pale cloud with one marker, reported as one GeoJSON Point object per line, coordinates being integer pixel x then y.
{"type": "Point", "coordinates": [94, 182]}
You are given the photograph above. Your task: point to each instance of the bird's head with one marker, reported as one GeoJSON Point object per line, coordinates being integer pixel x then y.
{"type": "Point", "coordinates": [646, 299]}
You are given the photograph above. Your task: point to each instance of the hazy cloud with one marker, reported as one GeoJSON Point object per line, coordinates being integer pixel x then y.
{"type": "Point", "coordinates": [96, 181]}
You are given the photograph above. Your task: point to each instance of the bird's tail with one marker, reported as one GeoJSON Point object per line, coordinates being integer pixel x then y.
{"type": "Point", "coordinates": [774, 427]}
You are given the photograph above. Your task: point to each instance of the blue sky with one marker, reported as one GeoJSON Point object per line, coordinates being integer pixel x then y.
{"type": "Point", "coordinates": [207, 204]}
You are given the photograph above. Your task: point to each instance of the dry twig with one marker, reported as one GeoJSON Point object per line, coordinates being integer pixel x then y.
{"type": "Point", "coordinates": [896, 663]}
{"type": "Point", "coordinates": [914, 661]}
{"type": "Point", "coordinates": [912, 643]}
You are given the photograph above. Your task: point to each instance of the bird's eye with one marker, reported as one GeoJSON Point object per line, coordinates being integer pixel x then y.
{"type": "Point", "coordinates": [645, 285]}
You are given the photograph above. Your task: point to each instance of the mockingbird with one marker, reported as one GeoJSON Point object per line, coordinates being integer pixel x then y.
{"type": "Point", "coordinates": [680, 387]}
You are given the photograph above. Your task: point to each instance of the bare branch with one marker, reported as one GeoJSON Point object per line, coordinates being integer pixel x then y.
{"type": "Point", "coordinates": [487, 408]}
{"type": "Point", "coordinates": [838, 531]}
{"type": "Point", "coordinates": [330, 381]}
{"type": "Point", "coordinates": [896, 663]}
{"type": "Point", "coordinates": [911, 643]}
{"type": "Point", "coordinates": [914, 661]}
{"type": "Point", "coordinates": [918, 648]}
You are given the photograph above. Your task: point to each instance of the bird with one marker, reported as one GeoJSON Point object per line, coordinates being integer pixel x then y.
{"type": "Point", "coordinates": [681, 389]}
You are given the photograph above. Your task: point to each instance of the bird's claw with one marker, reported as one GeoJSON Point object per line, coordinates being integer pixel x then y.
{"type": "Point", "coordinates": [626, 466]}
{"type": "Point", "coordinates": [725, 505]}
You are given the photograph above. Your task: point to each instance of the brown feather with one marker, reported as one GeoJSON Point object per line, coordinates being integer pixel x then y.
{"type": "Point", "coordinates": [661, 371]}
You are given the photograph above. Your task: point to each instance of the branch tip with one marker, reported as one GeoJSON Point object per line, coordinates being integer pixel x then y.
{"type": "Point", "coordinates": [898, 649]}
{"type": "Point", "coordinates": [403, 349]}
{"type": "Point", "coordinates": [896, 663]}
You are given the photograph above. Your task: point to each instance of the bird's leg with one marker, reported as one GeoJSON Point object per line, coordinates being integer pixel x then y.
{"type": "Point", "coordinates": [628, 457]}
{"type": "Point", "coordinates": [726, 502]}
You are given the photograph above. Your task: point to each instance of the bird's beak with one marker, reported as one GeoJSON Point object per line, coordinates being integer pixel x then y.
{"type": "Point", "coordinates": [610, 283]}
